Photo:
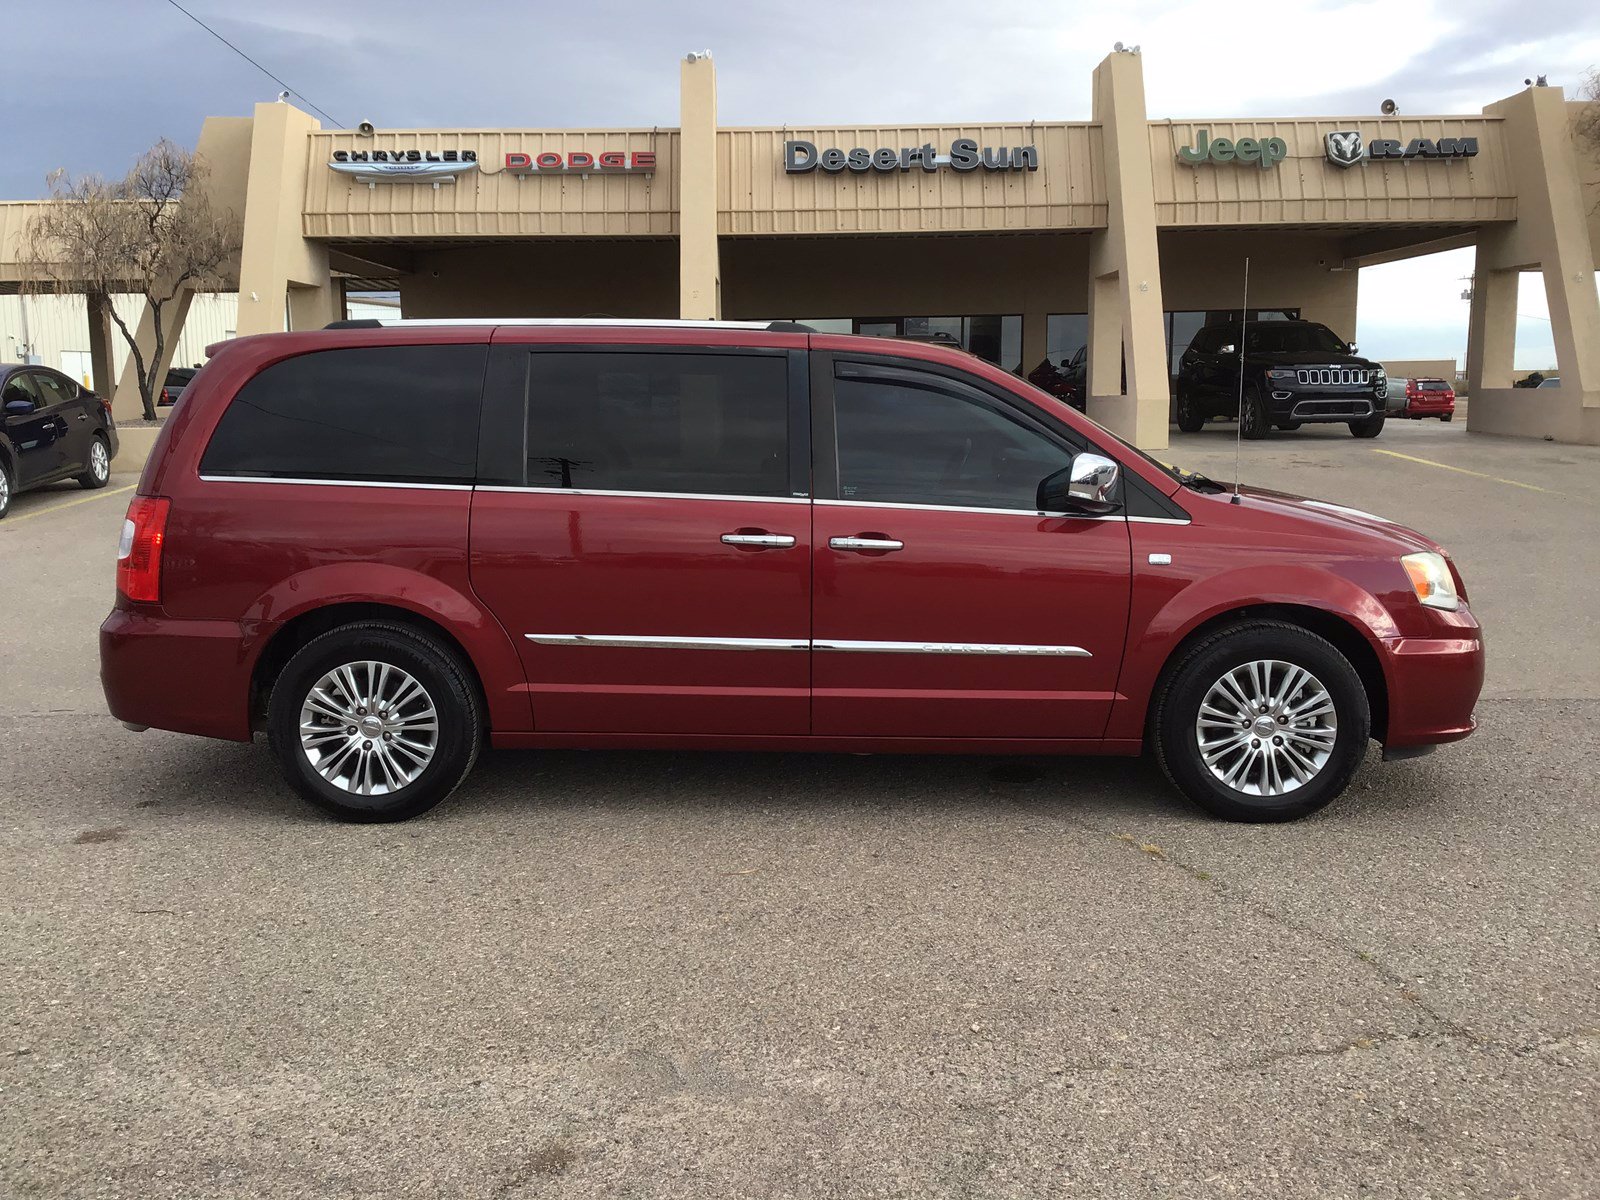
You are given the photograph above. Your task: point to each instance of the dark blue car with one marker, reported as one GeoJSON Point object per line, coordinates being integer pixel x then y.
{"type": "Point", "coordinates": [51, 429]}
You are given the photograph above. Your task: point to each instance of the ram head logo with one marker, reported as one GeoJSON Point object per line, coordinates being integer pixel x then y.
{"type": "Point", "coordinates": [1344, 147]}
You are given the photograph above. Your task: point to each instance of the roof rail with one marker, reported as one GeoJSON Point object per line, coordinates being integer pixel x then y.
{"type": "Point", "coordinates": [644, 322]}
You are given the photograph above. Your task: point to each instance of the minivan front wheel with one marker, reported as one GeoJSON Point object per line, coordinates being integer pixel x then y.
{"type": "Point", "coordinates": [1262, 721]}
{"type": "Point", "coordinates": [374, 722]}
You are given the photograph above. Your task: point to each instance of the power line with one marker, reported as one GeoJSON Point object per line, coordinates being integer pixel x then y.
{"type": "Point", "coordinates": [254, 63]}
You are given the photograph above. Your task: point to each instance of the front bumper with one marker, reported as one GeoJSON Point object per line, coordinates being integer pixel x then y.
{"type": "Point", "coordinates": [1433, 686]}
{"type": "Point", "coordinates": [186, 676]}
{"type": "Point", "coordinates": [1312, 407]}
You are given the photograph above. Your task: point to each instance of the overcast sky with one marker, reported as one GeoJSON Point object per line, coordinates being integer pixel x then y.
{"type": "Point", "coordinates": [105, 78]}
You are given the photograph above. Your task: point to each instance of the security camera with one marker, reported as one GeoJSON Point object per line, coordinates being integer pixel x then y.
{"type": "Point", "coordinates": [1388, 108]}
{"type": "Point", "coordinates": [365, 129]}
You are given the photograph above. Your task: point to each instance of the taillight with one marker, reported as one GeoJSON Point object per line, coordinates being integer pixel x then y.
{"type": "Point", "coordinates": [166, 396]}
{"type": "Point", "coordinates": [105, 407]}
{"type": "Point", "coordinates": [139, 551]}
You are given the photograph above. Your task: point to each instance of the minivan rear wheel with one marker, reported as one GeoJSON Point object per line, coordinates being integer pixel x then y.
{"type": "Point", "coordinates": [374, 721]}
{"type": "Point", "coordinates": [1262, 721]}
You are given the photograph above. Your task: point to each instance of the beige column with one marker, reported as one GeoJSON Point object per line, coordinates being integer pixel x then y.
{"type": "Point", "coordinates": [1035, 336]}
{"type": "Point", "coordinates": [1491, 325]}
{"type": "Point", "coordinates": [1551, 234]}
{"type": "Point", "coordinates": [278, 266]}
{"type": "Point", "coordinates": [101, 365]}
{"type": "Point", "coordinates": [699, 265]}
{"type": "Point", "coordinates": [1124, 256]}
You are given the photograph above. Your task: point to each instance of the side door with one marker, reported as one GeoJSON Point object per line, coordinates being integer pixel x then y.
{"type": "Point", "coordinates": [32, 428]}
{"type": "Point", "coordinates": [642, 529]}
{"type": "Point", "coordinates": [60, 398]}
{"type": "Point", "coordinates": [946, 604]}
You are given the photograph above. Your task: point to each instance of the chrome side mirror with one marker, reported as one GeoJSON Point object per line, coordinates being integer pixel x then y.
{"type": "Point", "coordinates": [1087, 485]}
{"type": "Point", "coordinates": [1354, 349]}
{"type": "Point", "coordinates": [1230, 348]}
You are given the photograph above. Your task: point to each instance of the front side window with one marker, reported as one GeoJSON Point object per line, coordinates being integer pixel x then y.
{"type": "Point", "coordinates": [53, 389]}
{"type": "Point", "coordinates": [20, 387]}
{"type": "Point", "coordinates": [396, 414]}
{"type": "Point", "coordinates": [911, 438]}
{"type": "Point", "coordinates": [694, 424]}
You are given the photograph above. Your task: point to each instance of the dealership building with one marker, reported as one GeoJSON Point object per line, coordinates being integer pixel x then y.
{"type": "Point", "coordinates": [1109, 241]}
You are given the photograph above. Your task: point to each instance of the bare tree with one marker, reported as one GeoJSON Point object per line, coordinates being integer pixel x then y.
{"type": "Point", "coordinates": [1586, 121]}
{"type": "Point", "coordinates": [152, 233]}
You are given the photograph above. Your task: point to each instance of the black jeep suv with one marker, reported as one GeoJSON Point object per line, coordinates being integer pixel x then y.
{"type": "Point", "coordinates": [1294, 372]}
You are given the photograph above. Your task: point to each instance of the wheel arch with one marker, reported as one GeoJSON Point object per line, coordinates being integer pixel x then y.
{"type": "Point", "coordinates": [301, 630]}
{"type": "Point", "coordinates": [1331, 626]}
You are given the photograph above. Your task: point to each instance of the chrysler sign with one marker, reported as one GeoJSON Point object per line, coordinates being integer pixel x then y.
{"type": "Point", "coordinates": [801, 157]}
{"type": "Point", "coordinates": [397, 166]}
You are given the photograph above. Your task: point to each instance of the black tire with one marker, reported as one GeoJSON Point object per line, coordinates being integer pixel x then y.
{"type": "Point", "coordinates": [8, 486]}
{"type": "Point", "coordinates": [99, 472]}
{"type": "Point", "coordinates": [1290, 426]}
{"type": "Point", "coordinates": [1370, 427]}
{"type": "Point", "coordinates": [1253, 422]}
{"type": "Point", "coordinates": [1448, 417]}
{"type": "Point", "coordinates": [447, 684]}
{"type": "Point", "coordinates": [1175, 738]}
{"type": "Point", "coordinates": [1190, 418]}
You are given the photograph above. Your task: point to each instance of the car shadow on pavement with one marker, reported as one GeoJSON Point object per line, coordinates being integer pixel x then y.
{"type": "Point", "coordinates": [192, 776]}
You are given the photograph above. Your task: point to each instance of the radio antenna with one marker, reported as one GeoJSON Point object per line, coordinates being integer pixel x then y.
{"type": "Point", "coordinates": [1238, 440]}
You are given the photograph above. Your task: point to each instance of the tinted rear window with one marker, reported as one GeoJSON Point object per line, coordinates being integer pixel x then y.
{"type": "Point", "coordinates": [707, 424]}
{"type": "Point", "coordinates": [405, 414]}
{"type": "Point", "coordinates": [1433, 385]}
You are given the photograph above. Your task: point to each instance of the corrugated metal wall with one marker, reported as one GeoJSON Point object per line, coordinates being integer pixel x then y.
{"type": "Point", "coordinates": [491, 202]}
{"type": "Point", "coordinates": [58, 328]}
{"type": "Point", "coordinates": [758, 196]}
{"type": "Point", "coordinates": [1305, 188]}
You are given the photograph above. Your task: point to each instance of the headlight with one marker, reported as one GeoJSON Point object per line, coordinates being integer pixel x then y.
{"type": "Point", "coordinates": [1380, 383]}
{"type": "Point", "coordinates": [1431, 580]}
{"type": "Point", "coordinates": [1282, 376]}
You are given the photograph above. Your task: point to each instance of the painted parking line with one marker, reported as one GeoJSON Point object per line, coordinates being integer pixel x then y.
{"type": "Point", "coordinates": [1428, 462]}
{"type": "Point", "coordinates": [44, 512]}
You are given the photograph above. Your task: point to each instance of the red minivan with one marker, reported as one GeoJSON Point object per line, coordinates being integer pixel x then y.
{"type": "Point", "coordinates": [387, 545]}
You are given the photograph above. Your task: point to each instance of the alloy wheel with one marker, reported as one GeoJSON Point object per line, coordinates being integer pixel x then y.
{"type": "Point", "coordinates": [100, 461]}
{"type": "Point", "coordinates": [368, 728]}
{"type": "Point", "coordinates": [1266, 728]}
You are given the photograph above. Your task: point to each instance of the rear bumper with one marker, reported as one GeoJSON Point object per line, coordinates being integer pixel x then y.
{"type": "Point", "coordinates": [1433, 687]}
{"type": "Point", "coordinates": [113, 443]}
{"type": "Point", "coordinates": [186, 676]}
{"type": "Point", "coordinates": [1430, 409]}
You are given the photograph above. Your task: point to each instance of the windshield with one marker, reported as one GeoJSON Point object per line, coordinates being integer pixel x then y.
{"type": "Point", "coordinates": [1284, 338]}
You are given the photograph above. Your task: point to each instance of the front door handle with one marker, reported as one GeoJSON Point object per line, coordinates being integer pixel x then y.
{"type": "Point", "coordinates": [777, 540]}
{"type": "Point", "coordinates": [866, 545]}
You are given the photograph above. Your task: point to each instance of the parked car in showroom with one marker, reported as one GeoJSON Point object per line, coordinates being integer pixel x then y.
{"type": "Point", "coordinates": [1068, 381]}
{"type": "Point", "coordinates": [1426, 398]}
{"type": "Point", "coordinates": [51, 429]}
{"type": "Point", "coordinates": [710, 535]}
{"type": "Point", "coordinates": [1294, 373]}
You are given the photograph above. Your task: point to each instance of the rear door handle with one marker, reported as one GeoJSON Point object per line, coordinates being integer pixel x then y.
{"type": "Point", "coordinates": [83, 416]}
{"type": "Point", "coordinates": [777, 540]}
{"type": "Point", "coordinates": [865, 544]}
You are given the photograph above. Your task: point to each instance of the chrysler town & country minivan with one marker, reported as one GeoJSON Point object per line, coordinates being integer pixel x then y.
{"type": "Point", "coordinates": [388, 545]}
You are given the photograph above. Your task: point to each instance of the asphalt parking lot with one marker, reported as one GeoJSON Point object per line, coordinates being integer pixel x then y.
{"type": "Point", "coordinates": [688, 975]}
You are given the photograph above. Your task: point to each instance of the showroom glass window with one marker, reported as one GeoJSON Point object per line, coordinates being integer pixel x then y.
{"type": "Point", "coordinates": [914, 438]}
{"type": "Point", "coordinates": [404, 414]}
{"type": "Point", "coordinates": [698, 424]}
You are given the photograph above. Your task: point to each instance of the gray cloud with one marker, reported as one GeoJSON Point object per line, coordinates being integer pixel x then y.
{"type": "Point", "coordinates": [109, 78]}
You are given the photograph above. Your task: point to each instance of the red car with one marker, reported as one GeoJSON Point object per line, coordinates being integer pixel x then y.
{"type": "Point", "coordinates": [387, 546]}
{"type": "Point", "coordinates": [1430, 398]}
